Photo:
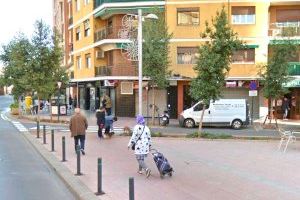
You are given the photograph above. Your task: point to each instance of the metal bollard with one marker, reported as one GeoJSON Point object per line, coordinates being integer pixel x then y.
{"type": "Point", "coordinates": [37, 129]}
{"type": "Point", "coordinates": [78, 161]}
{"type": "Point", "coordinates": [99, 192]}
{"type": "Point", "coordinates": [44, 134]}
{"type": "Point", "coordinates": [63, 149]}
{"type": "Point", "coordinates": [52, 140]}
{"type": "Point", "coordinates": [131, 188]}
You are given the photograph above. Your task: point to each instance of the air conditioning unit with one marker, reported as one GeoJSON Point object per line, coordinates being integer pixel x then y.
{"type": "Point", "coordinates": [99, 54]}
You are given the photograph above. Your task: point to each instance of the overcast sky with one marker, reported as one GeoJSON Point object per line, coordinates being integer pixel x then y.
{"type": "Point", "coordinates": [20, 15]}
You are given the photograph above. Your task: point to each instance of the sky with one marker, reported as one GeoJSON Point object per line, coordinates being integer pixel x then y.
{"type": "Point", "coordinates": [20, 15]}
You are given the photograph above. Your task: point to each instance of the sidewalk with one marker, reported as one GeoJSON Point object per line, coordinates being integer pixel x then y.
{"type": "Point", "coordinates": [204, 169]}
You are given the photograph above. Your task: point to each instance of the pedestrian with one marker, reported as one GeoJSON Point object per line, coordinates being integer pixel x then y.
{"type": "Point", "coordinates": [106, 103]}
{"type": "Point", "coordinates": [109, 120]}
{"type": "Point", "coordinates": [78, 126]}
{"type": "Point", "coordinates": [140, 142]}
{"type": "Point", "coordinates": [285, 108]}
{"type": "Point", "coordinates": [100, 115]}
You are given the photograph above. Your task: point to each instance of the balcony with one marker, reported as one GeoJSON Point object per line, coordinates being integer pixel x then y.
{"type": "Point", "coordinates": [284, 29]}
{"type": "Point", "coordinates": [107, 33]}
{"type": "Point", "coordinates": [294, 69]}
{"type": "Point", "coordinates": [116, 70]}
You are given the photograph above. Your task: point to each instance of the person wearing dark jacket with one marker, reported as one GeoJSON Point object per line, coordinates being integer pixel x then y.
{"type": "Point", "coordinates": [100, 115]}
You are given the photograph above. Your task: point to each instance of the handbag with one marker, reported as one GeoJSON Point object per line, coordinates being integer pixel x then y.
{"type": "Point", "coordinates": [133, 146]}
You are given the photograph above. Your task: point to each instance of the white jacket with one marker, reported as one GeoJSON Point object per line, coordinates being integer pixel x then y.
{"type": "Point", "coordinates": [142, 145]}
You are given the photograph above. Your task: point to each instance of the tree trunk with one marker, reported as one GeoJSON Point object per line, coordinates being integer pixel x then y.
{"type": "Point", "coordinates": [270, 111]}
{"type": "Point", "coordinates": [20, 107]}
{"type": "Point", "coordinates": [201, 120]}
{"type": "Point", "coordinates": [153, 105]}
{"type": "Point", "coordinates": [50, 107]}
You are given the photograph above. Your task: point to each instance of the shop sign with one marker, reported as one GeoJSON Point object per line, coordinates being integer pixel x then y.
{"type": "Point", "coordinates": [292, 83]}
{"type": "Point", "coordinates": [63, 110]}
{"type": "Point", "coordinates": [252, 93]}
{"type": "Point", "coordinates": [230, 84]}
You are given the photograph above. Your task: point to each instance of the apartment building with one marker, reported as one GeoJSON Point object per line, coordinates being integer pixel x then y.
{"type": "Point", "coordinates": [99, 65]}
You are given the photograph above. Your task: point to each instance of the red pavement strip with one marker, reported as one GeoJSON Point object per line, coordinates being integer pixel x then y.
{"type": "Point", "coordinates": [204, 169]}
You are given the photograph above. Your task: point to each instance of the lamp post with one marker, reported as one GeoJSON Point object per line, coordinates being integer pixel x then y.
{"type": "Point", "coordinates": [140, 54]}
{"type": "Point", "coordinates": [58, 112]}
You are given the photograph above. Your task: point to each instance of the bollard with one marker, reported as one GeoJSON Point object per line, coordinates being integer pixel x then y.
{"type": "Point", "coordinates": [63, 149]}
{"type": "Point", "coordinates": [37, 129]}
{"type": "Point", "coordinates": [99, 192]}
{"type": "Point", "coordinates": [131, 188]}
{"type": "Point", "coordinates": [78, 161]}
{"type": "Point", "coordinates": [52, 140]}
{"type": "Point", "coordinates": [44, 134]}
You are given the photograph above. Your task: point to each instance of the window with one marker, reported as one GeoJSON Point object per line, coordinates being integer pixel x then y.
{"type": "Point", "coordinates": [77, 3]}
{"type": "Point", "coordinates": [187, 55]}
{"type": "Point", "coordinates": [288, 18]}
{"type": "Point", "coordinates": [78, 62]}
{"type": "Point", "coordinates": [200, 106]}
{"type": "Point", "coordinates": [86, 2]}
{"type": "Point", "coordinates": [88, 60]}
{"type": "Point", "coordinates": [188, 16]}
{"type": "Point", "coordinates": [244, 56]}
{"type": "Point", "coordinates": [78, 33]}
{"type": "Point", "coordinates": [86, 28]}
{"type": "Point", "coordinates": [243, 15]}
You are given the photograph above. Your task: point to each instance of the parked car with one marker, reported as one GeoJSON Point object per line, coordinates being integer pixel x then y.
{"type": "Point", "coordinates": [228, 112]}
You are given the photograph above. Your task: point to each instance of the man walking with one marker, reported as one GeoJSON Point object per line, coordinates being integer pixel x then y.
{"type": "Point", "coordinates": [78, 126]}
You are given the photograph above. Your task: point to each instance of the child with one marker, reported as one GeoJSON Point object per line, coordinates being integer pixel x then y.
{"type": "Point", "coordinates": [109, 120]}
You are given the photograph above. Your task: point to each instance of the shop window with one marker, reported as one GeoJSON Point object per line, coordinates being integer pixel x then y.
{"type": "Point", "coordinates": [78, 33]}
{"type": "Point", "coordinates": [88, 60]}
{"type": "Point", "coordinates": [188, 16]}
{"type": "Point", "coordinates": [244, 56]}
{"type": "Point", "coordinates": [243, 15]}
{"type": "Point", "coordinates": [187, 55]}
{"type": "Point", "coordinates": [78, 62]}
{"type": "Point", "coordinates": [87, 29]}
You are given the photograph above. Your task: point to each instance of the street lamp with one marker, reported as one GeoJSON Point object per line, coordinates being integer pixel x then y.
{"type": "Point", "coordinates": [140, 54]}
{"type": "Point", "coordinates": [59, 85]}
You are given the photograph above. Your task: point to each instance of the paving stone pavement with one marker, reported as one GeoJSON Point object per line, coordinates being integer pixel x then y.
{"type": "Point", "coordinates": [204, 169]}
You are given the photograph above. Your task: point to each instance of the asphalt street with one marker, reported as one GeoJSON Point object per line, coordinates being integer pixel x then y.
{"type": "Point", "coordinates": [24, 175]}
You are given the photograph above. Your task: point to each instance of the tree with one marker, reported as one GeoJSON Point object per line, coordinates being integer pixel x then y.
{"type": "Point", "coordinates": [16, 56]}
{"type": "Point", "coordinates": [275, 72]}
{"type": "Point", "coordinates": [155, 53]}
{"type": "Point", "coordinates": [213, 61]}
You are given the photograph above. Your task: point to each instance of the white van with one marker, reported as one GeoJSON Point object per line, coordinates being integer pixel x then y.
{"type": "Point", "coordinates": [231, 112]}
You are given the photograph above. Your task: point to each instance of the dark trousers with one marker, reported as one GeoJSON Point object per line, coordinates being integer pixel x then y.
{"type": "Point", "coordinates": [80, 138]}
{"type": "Point", "coordinates": [100, 127]}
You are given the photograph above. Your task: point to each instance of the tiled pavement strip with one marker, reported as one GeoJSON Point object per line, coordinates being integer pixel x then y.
{"type": "Point", "coordinates": [204, 169]}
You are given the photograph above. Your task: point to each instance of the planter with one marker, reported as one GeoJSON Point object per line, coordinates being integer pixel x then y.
{"type": "Point", "coordinates": [14, 111]}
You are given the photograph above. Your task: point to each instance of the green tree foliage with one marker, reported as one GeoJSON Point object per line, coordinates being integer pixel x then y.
{"type": "Point", "coordinates": [275, 73]}
{"type": "Point", "coordinates": [156, 53]}
{"type": "Point", "coordinates": [33, 65]}
{"type": "Point", "coordinates": [214, 60]}
{"type": "Point", "coordinates": [16, 56]}
{"type": "Point", "coordinates": [156, 49]}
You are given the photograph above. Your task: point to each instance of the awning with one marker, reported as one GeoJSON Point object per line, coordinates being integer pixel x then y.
{"type": "Point", "coordinates": [251, 46]}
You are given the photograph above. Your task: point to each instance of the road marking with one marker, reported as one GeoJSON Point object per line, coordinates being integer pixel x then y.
{"type": "Point", "coordinates": [20, 126]}
{"type": "Point", "coordinates": [4, 117]}
{"type": "Point", "coordinates": [94, 129]}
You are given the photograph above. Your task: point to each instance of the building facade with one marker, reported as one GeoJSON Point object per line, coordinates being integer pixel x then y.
{"type": "Point", "coordinates": [98, 64]}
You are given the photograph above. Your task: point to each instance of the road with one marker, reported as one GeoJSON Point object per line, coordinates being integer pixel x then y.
{"type": "Point", "coordinates": [23, 173]}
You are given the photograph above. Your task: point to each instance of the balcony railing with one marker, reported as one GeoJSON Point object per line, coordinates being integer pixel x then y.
{"type": "Point", "coordinates": [98, 3]}
{"type": "Point", "coordinates": [107, 33]}
{"type": "Point", "coordinates": [116, 70]}
{"type": "Point", "coordinates": [294, 68]}
{"type": "Point", "coordinates": [288, 29]}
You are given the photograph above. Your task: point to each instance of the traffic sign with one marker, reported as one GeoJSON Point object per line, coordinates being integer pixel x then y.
{"type": "Point", "coordinates": [253, 85]}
